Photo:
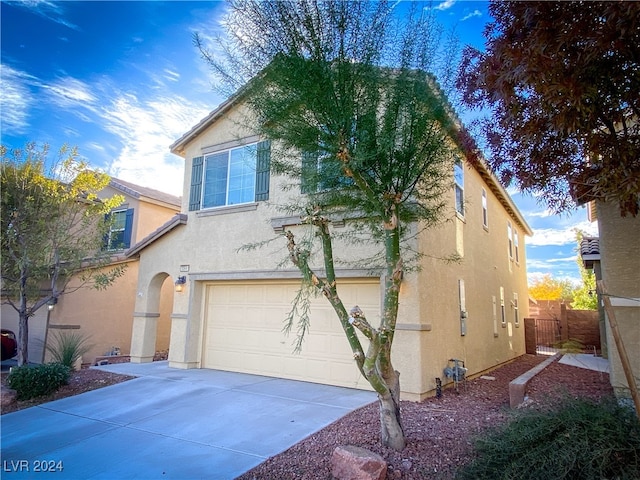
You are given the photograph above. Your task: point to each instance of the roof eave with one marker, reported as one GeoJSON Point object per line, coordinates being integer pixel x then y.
{"type": "Point", "coordinates": [176, 221]}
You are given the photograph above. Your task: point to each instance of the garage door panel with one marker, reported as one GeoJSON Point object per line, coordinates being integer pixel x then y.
{"type": "Point", "coordinates": [243, 332]}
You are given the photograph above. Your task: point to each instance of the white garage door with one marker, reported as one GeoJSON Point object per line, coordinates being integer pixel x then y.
{"type": "Point", "coordinates": [243, 331]}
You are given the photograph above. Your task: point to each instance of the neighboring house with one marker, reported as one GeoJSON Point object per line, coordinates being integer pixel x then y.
{"type": "Point", "coordinates": [615, 260]}
{"type": "Point", "coordinates": [105, 316]}
{"type": "Point", "coordinates": [231, 312]}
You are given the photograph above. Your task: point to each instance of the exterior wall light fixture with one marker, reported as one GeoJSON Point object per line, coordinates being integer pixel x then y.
{"type": "Point", "coordinates": [180, 283]}
{"type": "Point", "coordinates": [51, 303]}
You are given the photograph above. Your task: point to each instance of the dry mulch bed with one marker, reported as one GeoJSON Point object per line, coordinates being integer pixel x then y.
{"type": "Point", "coordinates": [81, 381]}
{"type": "Point", "coordinates": [439, 431]}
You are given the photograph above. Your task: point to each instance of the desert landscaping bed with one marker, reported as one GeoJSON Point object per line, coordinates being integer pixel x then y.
{"type": "Point", "coordinates": [439, 431]}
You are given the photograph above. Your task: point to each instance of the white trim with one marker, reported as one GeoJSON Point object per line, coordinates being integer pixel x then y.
{"type": "Point", "coordinates": [363, 274]}
{"type": "Point", "coordinates": [239, 207]}
{"type": "Point", "coordinates": [625, 302]}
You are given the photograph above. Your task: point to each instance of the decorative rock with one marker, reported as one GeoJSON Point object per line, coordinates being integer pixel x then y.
{"type": "Point", "coordinates": [7, 396]}
{"type": "Point", "coordinates": [356, 463]}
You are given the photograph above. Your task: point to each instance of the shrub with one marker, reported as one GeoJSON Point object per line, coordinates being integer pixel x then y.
{"type": "Point", "coordinates": [36, 380]}
{"type": "Point", "coordinates": [578, 439]}
{"type": "Point", "coordinates": [570, 346]}
{"type": "Point", "coordinates": [68, 348]}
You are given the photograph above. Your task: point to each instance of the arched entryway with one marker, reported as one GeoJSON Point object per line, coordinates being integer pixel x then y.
{"type": "Point", "coordinates": [151, 335]}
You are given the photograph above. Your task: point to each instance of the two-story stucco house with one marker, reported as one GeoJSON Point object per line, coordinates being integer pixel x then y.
{"type": "Point", "coordinates": [231, 311]}
{"type": "Point", "coordinates": [105, 317]}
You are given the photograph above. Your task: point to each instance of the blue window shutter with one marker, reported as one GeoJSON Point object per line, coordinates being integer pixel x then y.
{"type": "Point", "coordinates": [196, 183]}
{"type": "Point", "coordinates": [263, 166]}
{"type": "Point", "coordinates": [309, 178]}
{"type": "Point", "coordinates": [128, 228]}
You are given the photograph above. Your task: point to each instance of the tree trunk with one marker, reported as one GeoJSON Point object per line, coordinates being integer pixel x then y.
{"type": "Point", "coordinates": [23, 325]}
{"type": "Point", "coordinates": [391, 431]}
{"type": "Point", "coordinates": [23, 335]}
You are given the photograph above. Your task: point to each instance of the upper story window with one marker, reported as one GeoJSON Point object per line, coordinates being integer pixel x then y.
{"type": "Point", "coordinates": [120, 226]}
{"type": "Point", "coordinates": [510, 239]}
{"type": "Point", "coordinates": [485, 211]}
{"type": "Point", "coordinates": [321, 173]}
{"type": "Point", "coordinates": [516, 246]}
{"type": "Point", "coordinates": [230, 177]}
{"type": "Point", "coordinates": [458, 175]}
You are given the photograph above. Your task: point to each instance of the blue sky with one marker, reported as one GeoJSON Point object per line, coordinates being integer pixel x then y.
{"type": "Point", "coordinates": [122, 81]}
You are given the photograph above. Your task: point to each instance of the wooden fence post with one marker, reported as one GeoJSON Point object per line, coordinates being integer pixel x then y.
{"type": "Point", "coordinates": [624, 358]}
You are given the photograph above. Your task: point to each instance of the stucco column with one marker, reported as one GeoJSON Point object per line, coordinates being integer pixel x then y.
{"type": "Point", "coordinates": [186, 320]}
{"type": "Point", "coordinates": [143, 337]}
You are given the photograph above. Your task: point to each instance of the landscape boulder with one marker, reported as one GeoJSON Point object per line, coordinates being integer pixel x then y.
{"type": "Point", "coordinates": [356, 463]}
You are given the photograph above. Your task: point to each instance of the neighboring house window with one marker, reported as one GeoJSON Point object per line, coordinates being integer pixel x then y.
{"type": "Point", "coordinates": [510, 239]}
{"type": "Point", "coordinates": [516, 246]}
{"type": "Point", "coordinates": [503, 313]}
{"type": "Point", "coordinates": [120, 226]}
{"type": "Point", "coordinates": [458, 174]}
{"type": "Point", "coordinates": [231, 177]}
{"type": "Point", "coordinates": [516, 313]}
{"type": "Point", "coordinates": [485, 211]}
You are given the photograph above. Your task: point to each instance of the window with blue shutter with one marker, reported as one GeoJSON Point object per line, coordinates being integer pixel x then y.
{"type": "Point", "coordinates": [128, 228]}
{"type": "Point", "coordinates": [231, 177]}
{"type": "Point", "coordinates": [263, 167]}
{"type": "Point", "coordinates": [195, 195]}
{"type": "Point", "coordinates": [120, 228]}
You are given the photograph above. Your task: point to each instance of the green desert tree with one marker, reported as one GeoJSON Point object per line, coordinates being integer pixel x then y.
{"type": "Point", "coordinates": [53, 226]}
{"type": "Point", "coordinates": [584, 297]}
{"type": "Point", "coordinates": [347, 86]}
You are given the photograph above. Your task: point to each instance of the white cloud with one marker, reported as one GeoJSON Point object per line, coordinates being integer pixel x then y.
{"type": "Point", "coordinates": [47, 9]}
{"type": "Point", "coordinates": [560, 236]}
{"type": "Point", "coordinates": [543, 214]}
{"type": "Point", "coordinates": [551, 263]}
{"type": "Point", "coordinates": [69, 92]}
{"type": "Point", "coordinates": [146, 129]}
{"type": "Point", "coordinates": [445, 5]}
{"type": "Point", "coordinates": [558, 275]}
{"type": "Point", "coordinates": [15, 100]}
{"type": "Point", "coordinates": [171, 75]}
{"type": "Point", "coordinates": [475, 13]}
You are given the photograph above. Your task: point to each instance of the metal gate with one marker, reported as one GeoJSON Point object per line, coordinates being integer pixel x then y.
{"type": "Point", "coordinates": [541, 334]}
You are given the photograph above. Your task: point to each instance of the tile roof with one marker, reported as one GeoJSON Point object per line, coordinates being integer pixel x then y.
{"type": "Point", "coordinates": [176, 221]}
{"type": "Point", "coordinates": [138, 191]}
{"type": "Point", "coordinates": [590, 251]}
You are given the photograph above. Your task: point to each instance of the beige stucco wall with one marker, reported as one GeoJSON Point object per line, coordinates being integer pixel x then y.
{"type": "Point", "coordinates": [209, 248]}
{"type": "Point", "coordinates": [37, 327]}
{"type": "Point", "coordinates": [620, 261]}
{"type": "Point", "coordinates": [429, 318]}
{"type": "Point", "coordinates": [106, 316]}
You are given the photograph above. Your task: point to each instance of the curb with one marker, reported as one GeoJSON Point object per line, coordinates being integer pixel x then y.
{"type": "Point", "coordinates": [518, 387]}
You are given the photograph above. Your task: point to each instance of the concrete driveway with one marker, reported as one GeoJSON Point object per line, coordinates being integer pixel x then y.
{"type": "Point", "coordinates": [170, 424]}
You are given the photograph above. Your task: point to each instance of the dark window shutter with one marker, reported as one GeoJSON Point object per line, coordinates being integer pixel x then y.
{"type": "Point", "coordinates": [128, 228]}
{"type": "Point", "coordinates": [263, 166]}
{"type": "Point", "coordinates": [309, 180]}
{"type": "Point", "coordinates": [196, 183]}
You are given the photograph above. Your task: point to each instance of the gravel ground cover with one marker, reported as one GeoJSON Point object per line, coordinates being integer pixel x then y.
{"type": "Point", "coordinates": [439, 431]}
